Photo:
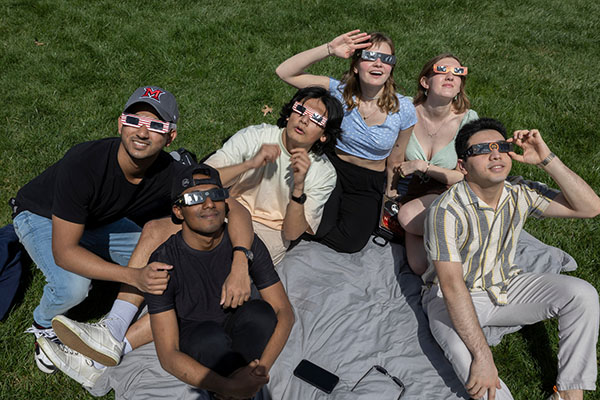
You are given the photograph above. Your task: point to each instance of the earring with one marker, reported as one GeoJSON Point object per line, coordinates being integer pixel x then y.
{"type": "Point", "coordinates": [455, 98]}
{"type": "Point", "coordinates": [426, 92]}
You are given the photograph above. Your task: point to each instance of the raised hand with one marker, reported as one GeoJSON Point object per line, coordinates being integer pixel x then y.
{"type": "Point", "coordinates": [346, 44]}
{"type": "Point", "coordinates": [535, 150]}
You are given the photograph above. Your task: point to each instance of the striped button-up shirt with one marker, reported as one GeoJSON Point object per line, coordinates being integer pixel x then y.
{"type": "Point", "coordinates": [460, 227]}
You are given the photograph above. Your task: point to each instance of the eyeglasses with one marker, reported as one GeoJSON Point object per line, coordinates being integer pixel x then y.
{"type": "Point", "coordinates": [383, 371]}
{"type": "Point", "coordinates": [153, 125]}
{"type": "Point", "coordinates": [314, 116]}
{"type": "Point", "coordinates": [444, 69]}
{"type": "Point", "coordinates": [200, 196]}
{"type": "Point", "coordinates": [486, 148]}
{"type": "Point", "coordinates": [373, 55]}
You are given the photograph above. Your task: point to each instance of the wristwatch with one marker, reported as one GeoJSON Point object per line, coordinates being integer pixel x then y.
{"type": "Point", "coordinates": [248, 253]}
{"type": "Point", "coordinates": [301, 199]}
{"type": "Point", "coordinates": [547, 160]}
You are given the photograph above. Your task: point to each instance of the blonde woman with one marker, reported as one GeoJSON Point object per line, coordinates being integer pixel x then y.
{"type": "Point", "coordinates": [376, 127]}
{"type": "Point", "coordinates": [442, 109]}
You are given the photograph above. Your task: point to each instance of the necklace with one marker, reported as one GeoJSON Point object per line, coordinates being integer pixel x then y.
{"type": "Point", "coordinates": [369, 115]}
{"type": "Point", "coordinates": [433, 133]}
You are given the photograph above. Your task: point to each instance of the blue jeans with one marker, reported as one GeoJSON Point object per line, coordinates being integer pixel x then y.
{"type": "Point", "coordinates": [64, 289]}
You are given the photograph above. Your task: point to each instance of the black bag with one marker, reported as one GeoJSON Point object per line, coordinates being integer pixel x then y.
{"type": "Point", "coordinates": [184, 156]}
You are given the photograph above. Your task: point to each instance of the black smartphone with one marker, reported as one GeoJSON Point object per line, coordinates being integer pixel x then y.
{"type": "Point", "coordinates": [316, 376]}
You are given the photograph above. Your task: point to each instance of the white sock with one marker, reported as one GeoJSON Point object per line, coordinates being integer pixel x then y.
{"type": "Point", "coordinates": [127, 347]}
{"type": "Point", "coordinates": [119, 318]}
{"type": "Point", "coordinates": [97, 365]}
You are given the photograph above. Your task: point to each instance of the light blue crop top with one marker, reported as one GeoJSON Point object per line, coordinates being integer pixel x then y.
{"type": "Point", "coordinates": [371, 142]}
{"type": "Point", "coordinates": [446, 156]}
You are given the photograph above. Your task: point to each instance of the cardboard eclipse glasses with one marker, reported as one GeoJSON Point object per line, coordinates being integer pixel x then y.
{"type": "Point", "coordinates": [373, 55]}
{"type": "Point", "coordinates": [200, 196]}
{"type": "Point", "coordinates": [444, 69]}
{"type": "Point", "coordinates": [153, 125]}
{"type": "Point", "coordinates": [314, 116]}
{"type": "Point", "coordinates": [486, 148]}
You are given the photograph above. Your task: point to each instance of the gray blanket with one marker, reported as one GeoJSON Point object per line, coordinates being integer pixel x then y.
{"type": "Point", "coordinates": [352, 311]}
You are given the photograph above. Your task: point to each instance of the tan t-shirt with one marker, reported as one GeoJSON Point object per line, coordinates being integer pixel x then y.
{"type": "Point", "coordinates": [266, 191]}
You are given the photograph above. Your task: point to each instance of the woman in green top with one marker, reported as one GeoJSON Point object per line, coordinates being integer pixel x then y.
{"type": "Point", "coordinates": [442, 109]}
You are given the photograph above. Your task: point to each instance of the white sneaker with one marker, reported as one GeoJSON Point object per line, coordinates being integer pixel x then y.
{"type": "Point", "coordinates": [75, 365]}
{"type": "Point", "coordinates": [42, 362]}
{"type": "Point", "coordinates": [555, 395]}
{"type": "Point", "coordinates": [92, 340]}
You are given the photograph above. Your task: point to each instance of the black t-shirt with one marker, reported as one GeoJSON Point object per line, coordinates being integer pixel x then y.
{"type": "Point", "coordinates": [87, 186]}
{"type": "Point", "coordinates": [194, 290]}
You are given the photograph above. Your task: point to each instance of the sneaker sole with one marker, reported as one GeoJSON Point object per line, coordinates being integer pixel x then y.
{"type": "Point", "coordinates": [69, 372]}
{"type": "Point", "coordinates": [74, 341]}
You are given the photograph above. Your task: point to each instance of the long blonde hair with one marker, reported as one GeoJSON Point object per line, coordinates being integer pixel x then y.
{"type": "Point", "coordinates": [461, 104]}
{"type": "Point", "coordinates": [388, 101]}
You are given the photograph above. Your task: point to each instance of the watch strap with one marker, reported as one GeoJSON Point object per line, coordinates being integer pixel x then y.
{"type": "Point", "coordinates": [248, 253]}
{"type": "Point", "coordinates": [300, 199]}
{"type": "Point", "coordinates": [547, 160]}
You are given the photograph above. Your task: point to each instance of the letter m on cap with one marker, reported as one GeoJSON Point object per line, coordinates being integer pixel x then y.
{"type": "Point", "coordinates": [153, 93]}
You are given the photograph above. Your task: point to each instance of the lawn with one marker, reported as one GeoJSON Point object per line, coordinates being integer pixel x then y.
{"type": "Point", "coordinates": [67, 68]}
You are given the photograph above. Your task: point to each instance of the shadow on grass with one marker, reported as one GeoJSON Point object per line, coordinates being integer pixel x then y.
{"type": "Point", "coordinates": [539, 347]}
{"type": "Point", "coordinates": [98, 303]}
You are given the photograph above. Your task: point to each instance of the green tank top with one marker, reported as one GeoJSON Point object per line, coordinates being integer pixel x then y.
{"type": "Point", "coordinates": [446, 156]}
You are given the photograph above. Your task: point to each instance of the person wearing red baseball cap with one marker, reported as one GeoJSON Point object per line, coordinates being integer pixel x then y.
{"type": "Point", "coordinates": [79, 219]}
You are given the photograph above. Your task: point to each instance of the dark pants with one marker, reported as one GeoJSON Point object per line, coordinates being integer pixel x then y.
{"type": "Point", "coordinates": [10, 267]}
{"type": "Point", "coordinates": [351, 213]}
{"type": "Point", "coordinates": [226, 347]}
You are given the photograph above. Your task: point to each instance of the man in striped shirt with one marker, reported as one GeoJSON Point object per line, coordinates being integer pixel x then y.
{"type": "Point", "coordinates": [471, 234]}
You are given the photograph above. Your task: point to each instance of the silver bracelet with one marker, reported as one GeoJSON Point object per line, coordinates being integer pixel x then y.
{"type": "Point", "coordinates": [547, 160]}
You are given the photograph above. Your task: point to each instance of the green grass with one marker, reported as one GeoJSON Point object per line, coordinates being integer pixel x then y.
{"type": "Point", "coordinates": [531, 64]}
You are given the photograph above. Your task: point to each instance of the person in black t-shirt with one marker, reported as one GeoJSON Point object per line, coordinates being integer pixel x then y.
{"type": "Point", "coordinates": [224, 350]}
{"type": "Point", "coordinates": [79, 212]}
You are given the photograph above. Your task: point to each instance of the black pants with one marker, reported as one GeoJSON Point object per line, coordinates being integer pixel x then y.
{"type": "Point", "coordinates": [225, 348]}
{"type": "Point", "coordinates": [351, 213]}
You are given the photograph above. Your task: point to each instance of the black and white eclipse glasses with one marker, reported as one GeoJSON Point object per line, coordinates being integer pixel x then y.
{"type": "Point", "coordinates": [374, 55]}
{"type": "Point", "coordinates": [200, 196]}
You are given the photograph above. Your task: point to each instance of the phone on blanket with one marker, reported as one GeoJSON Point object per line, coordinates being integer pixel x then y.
{"type": "Point", "coordinates": [316, 376]}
